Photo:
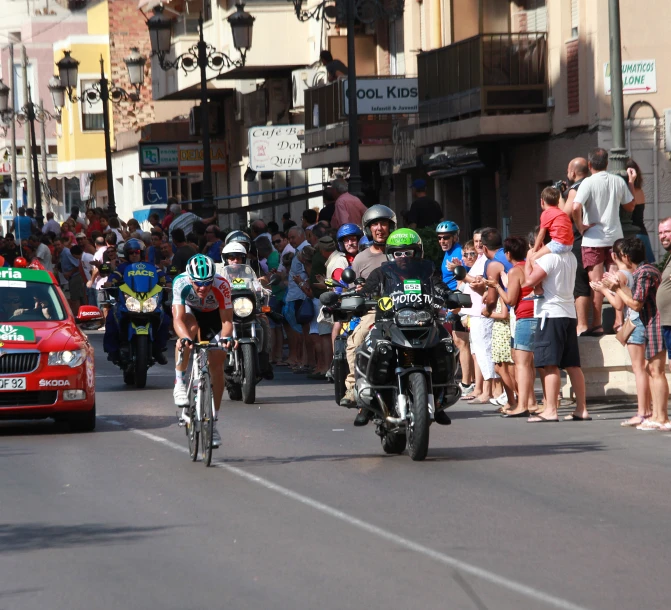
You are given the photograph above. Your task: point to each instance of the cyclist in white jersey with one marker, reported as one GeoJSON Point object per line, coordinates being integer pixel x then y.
{"type": "Point", "coordinates": [201, 302]}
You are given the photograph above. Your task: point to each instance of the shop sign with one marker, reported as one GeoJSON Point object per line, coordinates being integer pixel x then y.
{"type": "Point", "coordinates": [190, 159]}
{"type": "Point", "coordinates": [158, 156]}
{"type": "Point", "coordinates": [274, 148]}
{"type": "Point", "coordinates": [405, 151]}
{"type": "Point", "coordinates": [637, 77]}
{"type": "Point", "coordinates": [385, 96]}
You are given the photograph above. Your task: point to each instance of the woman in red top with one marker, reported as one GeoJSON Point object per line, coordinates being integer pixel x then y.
{"type": "Point", "coordinates": [94, 222]}
{"type": "Point", "coordinates": [515, 249]}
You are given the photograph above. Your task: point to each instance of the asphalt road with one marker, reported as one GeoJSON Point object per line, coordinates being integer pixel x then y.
{"type": "Point", "coordinates": [304, 511]}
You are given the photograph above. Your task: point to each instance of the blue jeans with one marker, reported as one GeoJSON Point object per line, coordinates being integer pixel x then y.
{"type": "Point", "coordinates": [638, 336]}
{"type": "Point", "coordinates": [525, 330]}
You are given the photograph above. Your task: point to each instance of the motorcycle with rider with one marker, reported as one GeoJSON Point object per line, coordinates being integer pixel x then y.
{"type": "Point", "coordinates": [404, 369]}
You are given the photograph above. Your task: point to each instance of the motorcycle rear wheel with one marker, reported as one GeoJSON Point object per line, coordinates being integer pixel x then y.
{"type": "Point", "coordinates": [393, 443]}
{"type": "Point", "coordinates": [418, 426]}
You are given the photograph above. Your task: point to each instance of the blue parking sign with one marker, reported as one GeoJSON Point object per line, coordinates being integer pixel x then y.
{"type": "Point", "coordinates": [154, 191]}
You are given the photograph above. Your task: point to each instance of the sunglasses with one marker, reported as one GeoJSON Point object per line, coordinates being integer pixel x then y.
{"type": "Point", "coordinates": [404, 254]}
{"type": "Point", "coordinates": [445, 237]}
{"type": "Point", "coordinates": [469, 254]}
{"type": "Point", "coordinates": [202, 284]}
{"type": "Point", "coordinates": [277, 241]}
{"type": "Point", "coordinates": [134, 252]}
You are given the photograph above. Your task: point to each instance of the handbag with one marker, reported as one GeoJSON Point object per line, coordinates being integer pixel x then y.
{"type": "Point", "coordinates": [306, 312]}
{"type": "Point", "coordinates": [625, 331]}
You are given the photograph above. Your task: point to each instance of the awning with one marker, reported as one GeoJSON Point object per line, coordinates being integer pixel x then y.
{"type": "Point", "coordinates": [143, 214]}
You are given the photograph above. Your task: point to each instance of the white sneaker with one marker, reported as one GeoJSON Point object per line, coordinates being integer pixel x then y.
{"type": "Point", "coordinates": [466, 389]}
{"type": "Point", "coordinates": [180, 394]}
{"type": "Point", "coordinates": [502, 400]}
{"type": "Point", "coordinates": [216, 437]}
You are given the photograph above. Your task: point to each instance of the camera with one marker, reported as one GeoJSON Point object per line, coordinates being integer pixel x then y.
{"type": "Point", "coordinates": [560, 185]}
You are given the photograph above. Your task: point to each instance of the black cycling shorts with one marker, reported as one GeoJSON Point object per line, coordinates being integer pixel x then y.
{"type": "Point", "coordinates": [209, 323]}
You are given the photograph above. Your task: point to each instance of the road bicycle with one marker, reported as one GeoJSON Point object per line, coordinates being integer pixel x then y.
{"type": "Point", "coordinates": [199, 416]}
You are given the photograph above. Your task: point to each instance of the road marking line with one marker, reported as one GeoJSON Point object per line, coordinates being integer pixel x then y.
{"type": "Point", "coordinates": [486, 575]}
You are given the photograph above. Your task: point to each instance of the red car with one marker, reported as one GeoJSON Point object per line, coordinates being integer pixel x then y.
{"type": "Point", "coordinates": [46, 362]}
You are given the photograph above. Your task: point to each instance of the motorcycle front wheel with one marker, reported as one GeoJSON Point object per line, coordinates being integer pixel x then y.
{"type": "Point", "coordinates": [418, 426]}
{"type": "Point", "coordinates": [141, 360]}
{"type": "Point", "coordinates": [249, 373]}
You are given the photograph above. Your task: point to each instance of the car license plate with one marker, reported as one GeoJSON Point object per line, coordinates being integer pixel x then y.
{"type": "Point", "coordinates": [12, 383]}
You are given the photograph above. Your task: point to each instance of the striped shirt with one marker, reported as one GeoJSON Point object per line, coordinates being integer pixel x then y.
{"type": "Point", "coordinates": [184, 221]}
{"type": "Point", "coordinates": [646, 281]}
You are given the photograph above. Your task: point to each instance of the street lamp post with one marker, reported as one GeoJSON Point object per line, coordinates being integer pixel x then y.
{"type": "Point", "coordinates": [28, 113]}
{"type": "Point", "coordinates": [202, 56]}
{"type": "Point", "coordinates": [66, 83]}
{"type": "Point", "coordinates": [618, 150]}
{"type": "Point", "coordinates": [367, 12]}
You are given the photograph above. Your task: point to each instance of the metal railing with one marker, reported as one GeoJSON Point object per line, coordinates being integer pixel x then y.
{"type": "Point", "coordinates": [485, 74]}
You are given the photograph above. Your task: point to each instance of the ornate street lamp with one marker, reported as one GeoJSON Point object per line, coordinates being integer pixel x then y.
{"type": "Point", "coordinates": [29, 113]}
{"type": "Point", "coordinates": [349, 12]}
{"type": "Point", "coordinates": [66, 83]}
{"type": "Point", "coordinates": [202, 56]}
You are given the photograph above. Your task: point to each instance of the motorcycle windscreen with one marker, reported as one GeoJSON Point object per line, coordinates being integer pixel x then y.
{"type": "Point", "coordinates": [407, 282]}
{"type": "Point", "coordinates": [239, 277]}
{"type": "Point", "coordinates": [141, 277]}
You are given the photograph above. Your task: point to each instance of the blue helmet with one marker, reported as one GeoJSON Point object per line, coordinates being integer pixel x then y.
{"type": "Point", "coordinates": [345, 231]}
{"type": "Point", "coordinates": [364, 243]}
{"type": "Point", "coordinates": [447, 226]}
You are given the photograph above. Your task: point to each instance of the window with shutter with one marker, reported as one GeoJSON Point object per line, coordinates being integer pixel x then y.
{"type": "Point", "coordinates": [92, 112]}
{"type": "Point", "coordinates": [530, 16]}
{"type": "Point", "coordinates": [575, 18]}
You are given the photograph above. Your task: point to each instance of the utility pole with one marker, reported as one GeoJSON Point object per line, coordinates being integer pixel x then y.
{"type": "Point", "coordinates": [618, 152]}
{"type": "Point", "coordinates": [12, 84]}
{"type": "Point", "coordinates": [353, 117]}
{"type": "Point", "coordinates": [28, 149]}
{"type": "Point", "coordinates": [45, 169]}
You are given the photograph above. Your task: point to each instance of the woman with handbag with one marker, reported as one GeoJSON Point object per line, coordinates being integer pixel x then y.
{"type": "Point", "coordinates": [642, 333]}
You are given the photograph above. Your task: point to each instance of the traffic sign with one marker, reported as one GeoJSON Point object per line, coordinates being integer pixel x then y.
{"type": "Point", "coordinates": [7, 209]}
{"type": "Point", "coordinates": [154, 191]}
{"type": "Point", "coordinates": [637, 77]}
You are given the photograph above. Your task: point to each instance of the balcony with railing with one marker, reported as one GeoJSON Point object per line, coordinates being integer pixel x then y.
{"type": "Point", "coordinates": [489, 74]}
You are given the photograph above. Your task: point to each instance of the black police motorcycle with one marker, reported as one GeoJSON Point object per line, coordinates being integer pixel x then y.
{"type": "Point", "coordinates": [243, 366]}
{"type": "Point", "coordinates": [406, 364]}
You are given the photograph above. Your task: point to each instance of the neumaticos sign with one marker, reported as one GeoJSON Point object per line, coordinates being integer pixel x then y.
{"type": "Point", "coordinates": [385, 96]}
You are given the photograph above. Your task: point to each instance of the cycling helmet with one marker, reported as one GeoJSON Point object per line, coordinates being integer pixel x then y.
{"type": "Point", "coordinates": [378, 212]}
{"type": "Point", "coordinates": [235, 247]}
{"type": "Point", "coordinates": [200, 268]}
{"type": "Point", "coordinates": [364, 243]}
{"type": "Point", "coordinates": [345, 231]}
{"type": "Point", "coordinates": [132, 245]}
{"type": "Point", "coordinates": [404, 239]}
{"type": "Point", "coordinates": [239, 236]}
{"type": "Point", "coordinates": [447, 226]}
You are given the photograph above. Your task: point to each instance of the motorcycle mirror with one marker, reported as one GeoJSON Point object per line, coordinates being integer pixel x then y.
{"type": "Point", "coordinates": [460, 272]}
{"type": "Point", "coordinates": [348, 275]}
{"type": "Point", "coordinates": [329, 299]}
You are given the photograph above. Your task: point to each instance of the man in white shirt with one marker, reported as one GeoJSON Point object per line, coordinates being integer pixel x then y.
{"type": "Point", "coordinates": [51, 225]}
{"type": "Point", "coordinates": [282, 245]}
{"type": "Point", "coordinates": [556, 340]}
{"type": "Point", "coordinates": [596, 213]}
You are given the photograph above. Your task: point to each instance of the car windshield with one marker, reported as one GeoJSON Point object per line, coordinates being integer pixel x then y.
{"type": "Point", "coordinates": [29, 302]}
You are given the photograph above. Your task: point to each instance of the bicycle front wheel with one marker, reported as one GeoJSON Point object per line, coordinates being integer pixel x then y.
{"type": "Point", "coordinates": [206, 419]}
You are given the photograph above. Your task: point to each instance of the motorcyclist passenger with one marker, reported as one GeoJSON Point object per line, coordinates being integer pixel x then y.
{"type": "Point", "coordinates": [378, 222]}
{"type": "Point", "coordinates": [116, 329]}
{"type": "Point", "coordinates": [242, 238]}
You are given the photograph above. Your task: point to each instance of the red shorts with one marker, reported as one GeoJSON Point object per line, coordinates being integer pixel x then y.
{"type": "Point", "coordinates": [594, 256]}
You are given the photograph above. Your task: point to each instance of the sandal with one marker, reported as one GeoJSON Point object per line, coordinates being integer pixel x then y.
{"type": "Point", "coordinates": [630, 423]}
{"type": "Point", "coordinates": [648, 425]}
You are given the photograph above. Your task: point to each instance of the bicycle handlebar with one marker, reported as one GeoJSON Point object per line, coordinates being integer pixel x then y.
{"type": "Point", "coordinates": [197, 346]}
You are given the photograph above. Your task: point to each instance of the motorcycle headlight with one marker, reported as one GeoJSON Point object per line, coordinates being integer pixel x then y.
{"type": "Point", "coordinates": [150, 304]}
{"type": "Point", "coordinates": [412, 317]}
{"type": "Point", "coordinates": [243, 307]}
{"type": "Point", "coordinates": [132, 304]}
{"type": "Point", "coordinates": [71, 358]}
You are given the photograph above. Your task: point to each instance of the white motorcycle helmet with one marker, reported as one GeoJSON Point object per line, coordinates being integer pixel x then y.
{"type": "Point", "coordinates": [235, 247]}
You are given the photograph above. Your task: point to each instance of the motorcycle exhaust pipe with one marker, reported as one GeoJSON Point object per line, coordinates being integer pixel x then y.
{"type": "Point", "coordinates": [383, 405]}
{"type": "Point", "coordinates": [398, 421]}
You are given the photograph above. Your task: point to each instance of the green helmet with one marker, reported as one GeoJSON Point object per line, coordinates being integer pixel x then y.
{"type": "Point", "coordinates": [200, 268]}
{"type": "Point", "coordinates": [404, 239]}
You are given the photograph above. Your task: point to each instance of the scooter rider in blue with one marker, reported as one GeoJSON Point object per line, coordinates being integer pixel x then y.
{"type": "Point", "coordinates": [133, 251]}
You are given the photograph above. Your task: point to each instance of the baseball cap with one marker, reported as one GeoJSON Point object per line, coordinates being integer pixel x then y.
{"type": "Point", "coordinates": [80, 234]}
{"type": "Point", "coordinates": [419, 184]}
{"type": "Point", "coordinates": [326, 243]}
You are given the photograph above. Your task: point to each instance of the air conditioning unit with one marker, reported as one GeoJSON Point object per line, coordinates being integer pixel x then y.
{"type": "Point", "coordinates": [305, 79]}
{"type": "Point", "coordinates": [213, 121]}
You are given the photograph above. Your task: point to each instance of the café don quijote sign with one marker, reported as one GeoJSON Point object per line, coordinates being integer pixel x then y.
{"type": "Point", "coordinates": [274, 148]}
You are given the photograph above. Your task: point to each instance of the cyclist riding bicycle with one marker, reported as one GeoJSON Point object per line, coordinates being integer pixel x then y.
{"type": "Point", "coordinates": [201, 302]}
